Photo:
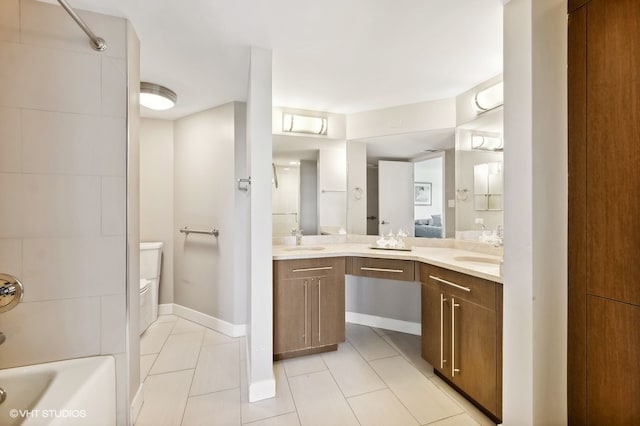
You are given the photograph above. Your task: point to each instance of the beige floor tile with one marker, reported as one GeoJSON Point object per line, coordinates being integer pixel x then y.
{"type": "Point", "coordinates": [459, 420]}
{"type": "Point", "coordinates": [213, 409]}
{"type": "Point", "coordinates": [304, 365]}
{"type": "Point", "coordinates": [166, 318]}
{"type": "Point", "coordinates": [468, 407]}
{"type": "Point", "coordinates": [186, 326]}
{"type": "Point", "coordinates": [409, 346]}
{"type": "Point", "coordinates": [212, 337]}
{"type": "Point", "coordinates": [179, 353]}
{"type": "Point", "coordinates": [165, 396]}
{"type": "Point", "coordinates": [319, 401]}
{"type": "Point", "coordinates": [280, 404]}
{"type": "Point", "coordinates": [290, 419]}
{"type": "Point", "coordinates": [146, 361]}
{"type": "Point", "coordinates": [381, 408]}
{"type": "Point", "coordinates": [368, 343]}
{"type": "Point", "coordinates": [424, 399]}
{"type": "Point", "coordinates": [218, 369]}
{"type": "Point", "coordinates": [352, 373]}
{"type": "Point", "coordinates": [153, 339]}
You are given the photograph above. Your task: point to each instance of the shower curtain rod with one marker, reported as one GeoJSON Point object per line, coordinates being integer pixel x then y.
{"type": "Point", "coordinates": [96, 42]}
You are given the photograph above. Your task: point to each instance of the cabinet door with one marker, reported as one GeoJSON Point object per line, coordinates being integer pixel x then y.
{"type": "Point", "coordinates": [327, 301]}
{"type": "Point", "coordinates": [435, 326]}
{"type": "Point", "coordinates": [291, 315]}
{"type": "Point", "coordinates": [613, 362]}
{"type": "Point", "coordinates": [473, 365]}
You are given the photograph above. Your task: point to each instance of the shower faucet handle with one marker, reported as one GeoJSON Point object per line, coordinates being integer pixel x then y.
{"type": "Point", "coordinates": [11, 292]}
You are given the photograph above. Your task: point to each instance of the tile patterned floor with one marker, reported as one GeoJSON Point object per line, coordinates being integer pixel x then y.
{"type": "Point", "coordinates": [195, 376]}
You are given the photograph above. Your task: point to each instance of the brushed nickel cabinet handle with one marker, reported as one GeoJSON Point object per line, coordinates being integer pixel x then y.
{"type": "Point", "coordinates": [396, 271]}
{"type": "Point", "coordinates": [306, 309]}
{"type": "Point", "coordinates": [454, 305]}
{"type": "Point", "coordinates": [321, 268]}
{"type": "Point", "coordinates": [319, 310]}
{"type": "Point", "coordinates": [440, 280]}
{"type": "Point", "coordinates": [442, 360]}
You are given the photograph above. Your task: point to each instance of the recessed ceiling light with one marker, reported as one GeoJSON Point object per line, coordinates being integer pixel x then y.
{"type": "Point", "coordinates": [156, 97]}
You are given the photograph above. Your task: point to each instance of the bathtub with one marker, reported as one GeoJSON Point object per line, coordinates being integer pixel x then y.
{"type": "Point", "coordinates": [75, 392]}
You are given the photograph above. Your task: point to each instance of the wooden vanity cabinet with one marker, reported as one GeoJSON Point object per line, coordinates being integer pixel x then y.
{"type": "Point", "coordinates": [308, 306]}
{"type": "Point", "coordinates": [462, 334]}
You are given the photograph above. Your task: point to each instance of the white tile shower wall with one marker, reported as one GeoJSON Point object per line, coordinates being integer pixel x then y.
{"type": "Point", "coordinates": [63, 169]}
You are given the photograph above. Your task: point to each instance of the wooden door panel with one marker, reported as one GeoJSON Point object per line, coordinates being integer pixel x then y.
{"type": "Point", "coordinates": [613, 149]}
{"type": "Point", "coordinates": [290, 307]}
{"type": "Point", "coordinates": [474, 340]}
{"type": "Point", "coordinates": [577, 219]}
{"type": "Point", "coordinates": [613, 366]}
{"type": "Point", "coordinates": [434, 330]}
{"type": "Point", "coordinates": [327, 309]}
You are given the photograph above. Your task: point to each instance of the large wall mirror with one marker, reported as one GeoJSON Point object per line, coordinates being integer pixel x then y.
{"type": "Point", "coordinates": [438, 183]}
{"type": "Point", "coordinates": [479, 175]}
{"type": "Point", "coordinates": [308, 185]}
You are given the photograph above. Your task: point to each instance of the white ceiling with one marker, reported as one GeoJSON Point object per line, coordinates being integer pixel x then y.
{"type": "Point", "coordinates": [339, 56]}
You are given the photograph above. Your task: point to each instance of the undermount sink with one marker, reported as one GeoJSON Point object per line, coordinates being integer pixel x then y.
{"type": "Point", "coordinates": [296, 248]}
{"type": "Point", "coordinates": [477, 260]}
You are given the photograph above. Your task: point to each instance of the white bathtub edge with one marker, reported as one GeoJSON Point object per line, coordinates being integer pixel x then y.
{"type": "Point", "coordinates": [136, 404]}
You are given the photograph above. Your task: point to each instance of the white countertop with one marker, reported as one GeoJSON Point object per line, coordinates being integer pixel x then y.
{"type": "Point", "coordinates": [444, 257]}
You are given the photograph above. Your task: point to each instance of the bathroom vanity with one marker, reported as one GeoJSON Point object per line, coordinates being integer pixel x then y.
{"type": "Point", "coordinates": [461, 308]}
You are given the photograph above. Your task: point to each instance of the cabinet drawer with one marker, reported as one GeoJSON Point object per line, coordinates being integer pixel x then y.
{"type": "Point", "coordinates": [302, 268]}
{"type": "Point", "coordinates": [472, 289]}
{"type": "Point", "coordinates": [390, 269]}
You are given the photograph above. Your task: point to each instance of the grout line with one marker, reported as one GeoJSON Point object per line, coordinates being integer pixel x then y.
{"type": "Point", "coordinates": [193, 376]}
{"type": "Point", "coordinates": [293, 399]}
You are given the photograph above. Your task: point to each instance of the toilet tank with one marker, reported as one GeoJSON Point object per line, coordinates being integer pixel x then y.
{"type": "Point", "coordinates": [150, 256]}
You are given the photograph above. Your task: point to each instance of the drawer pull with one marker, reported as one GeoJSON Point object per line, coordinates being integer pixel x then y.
{"type": "Point", "coordinates": [321, 268]}
{"type": "Point", "coordinates": [450, 283]}
{"type": "Point", "coordinates": [395, 271]}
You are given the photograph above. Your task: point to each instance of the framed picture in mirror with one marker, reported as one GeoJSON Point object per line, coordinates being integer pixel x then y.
{"type": "Point", "coordinates": [422, 193]}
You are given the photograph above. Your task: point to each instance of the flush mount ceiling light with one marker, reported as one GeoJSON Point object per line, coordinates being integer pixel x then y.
{"type": "Point", "coordinates": [304, 124]}
{"type": "Point", "coordinates": [157, 97]}
{"type": "Point", "coordinates": [487, 143]}
{"type": "Point", "coordinates": [489, 98]}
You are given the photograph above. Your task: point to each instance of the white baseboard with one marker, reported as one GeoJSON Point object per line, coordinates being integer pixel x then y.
{"type": "Point", "coordinates": [165, 309]}
{"type": "Point", "coordinates": [386, 323]}
{"type": "Point", "coordinates": [231, 330]}
{"type": "Point", "coordinates": [136, 404]}
{"type": "Point", "coordinates": [264, 389]}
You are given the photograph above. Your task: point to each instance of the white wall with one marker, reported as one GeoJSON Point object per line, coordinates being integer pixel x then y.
{"type": "Point", "coordinates": [431, 115]}
{"type": "Point", "coordinates": [63, 182]}
{"type": "Point", "coordinates": [156, 195]}
{"type": "Point", "coordinates": [535, 304]}
{"type": "Point", "coordinates": [204, 198]}
{"type": "Point", "coordinates": [550, 210]}
{"type": "Point", "coordinates": [259, 126]}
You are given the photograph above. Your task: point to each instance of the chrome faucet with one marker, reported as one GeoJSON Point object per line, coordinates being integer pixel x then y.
{"type": "Point", "coordinates": [298, 234]}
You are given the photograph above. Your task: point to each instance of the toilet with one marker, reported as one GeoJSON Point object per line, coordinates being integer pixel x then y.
{"type": "Point", "coordinates": [150, 262]}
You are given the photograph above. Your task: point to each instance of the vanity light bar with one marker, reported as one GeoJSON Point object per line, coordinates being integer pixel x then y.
{"type": "Point", "coordinates": [487, 143]}
{"type": "Point", "coordinates": [489, 98]}
{"type": "Point", "coordinates": [304, 124]}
